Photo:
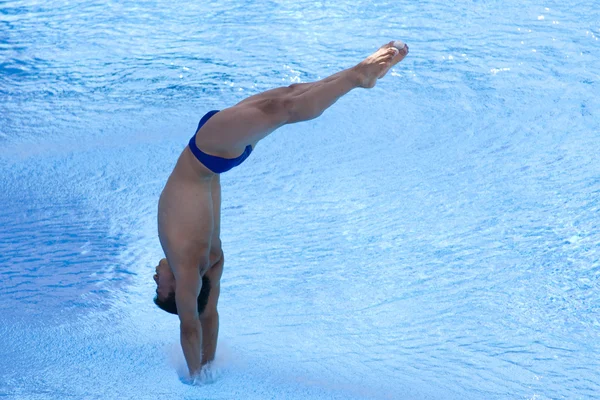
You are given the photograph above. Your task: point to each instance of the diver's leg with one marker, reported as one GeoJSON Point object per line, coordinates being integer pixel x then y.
{"type": "Point", "coordinates": [248, 122]}
{"type": "Point", "coordinates": [294, 89]}
{"type": "Point", "coordinates": [210, 317]}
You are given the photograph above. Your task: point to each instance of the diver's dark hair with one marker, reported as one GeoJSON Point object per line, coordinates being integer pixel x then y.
{"type": "Point", "coordinates": [169, 305]}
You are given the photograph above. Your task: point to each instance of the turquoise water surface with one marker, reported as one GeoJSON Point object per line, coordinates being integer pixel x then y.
{"type": "Point", "coordinates": [436, 237]}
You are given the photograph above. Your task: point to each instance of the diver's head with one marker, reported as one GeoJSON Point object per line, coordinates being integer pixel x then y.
{"type": "Point", "coordinates": [165, 289]}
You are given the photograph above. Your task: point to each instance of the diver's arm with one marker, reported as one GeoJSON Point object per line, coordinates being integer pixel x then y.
{"type": "Point", "coordinates": [186, 294]}
{"type": "Point", "coordinates": [210, 334]}
{"type": "Point", "coordinates": [210, 317]}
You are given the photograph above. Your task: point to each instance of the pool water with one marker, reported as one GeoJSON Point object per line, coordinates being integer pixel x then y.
{"type": "Point", "coordinates": [436, 237]}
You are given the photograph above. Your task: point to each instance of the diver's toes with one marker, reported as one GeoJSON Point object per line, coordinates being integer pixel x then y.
{"type": "Point", "coordinates": [401, 47]}
{"type": "Point", "coordinates": [399, 44]}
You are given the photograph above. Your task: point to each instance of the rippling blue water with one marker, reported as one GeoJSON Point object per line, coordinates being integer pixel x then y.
{"type": "Point", "coordinates": [436, 237]}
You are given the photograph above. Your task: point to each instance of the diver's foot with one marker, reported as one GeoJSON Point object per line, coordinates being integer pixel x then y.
{"type": "Point", "coordinates": [379, 63]}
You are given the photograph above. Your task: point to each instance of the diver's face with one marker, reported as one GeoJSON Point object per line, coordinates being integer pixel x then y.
{"type": "Point", "coordinates": [165, 280]}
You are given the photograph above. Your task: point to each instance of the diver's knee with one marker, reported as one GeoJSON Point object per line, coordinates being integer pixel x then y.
{"type": "Point", "coordinates": [279, 107]}
{"type": "Point", "coordinates": [293, 87]}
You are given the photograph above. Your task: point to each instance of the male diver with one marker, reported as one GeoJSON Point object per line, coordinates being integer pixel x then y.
{"type": "Point", "coordinates": [189, 209]}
